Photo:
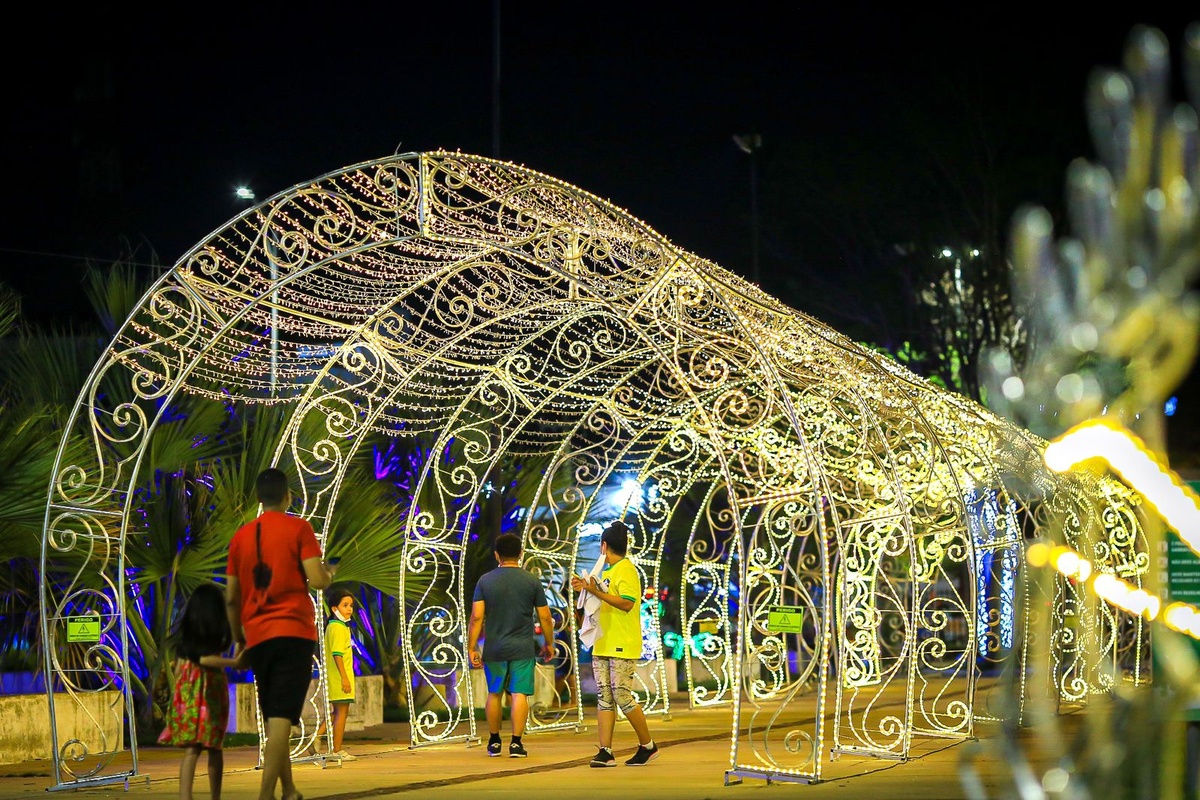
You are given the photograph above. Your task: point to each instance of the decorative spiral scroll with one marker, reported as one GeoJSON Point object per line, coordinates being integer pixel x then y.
{"type": "Point", "coordinates": [506, 320]}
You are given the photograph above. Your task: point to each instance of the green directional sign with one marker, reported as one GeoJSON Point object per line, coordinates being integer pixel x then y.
{"type": "Point", "coordinates": [1183, 571]}
{"type": "Point", "coordinates": [83, 629]}
{"type": "Point", "coordinates": [785, 619]}
{"type": "Point", "coordinates": [1183, 567]}
{"type": "Point", "coordinates": [1182, 585]}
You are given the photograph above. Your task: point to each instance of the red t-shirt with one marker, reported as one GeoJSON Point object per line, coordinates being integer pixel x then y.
{"type": "Point", "coordinates": [285, 608]}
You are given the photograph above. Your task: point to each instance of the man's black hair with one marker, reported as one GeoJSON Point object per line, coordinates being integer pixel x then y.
{"type": "Point", "coordinates": [508, 546]}
{"type": "Point", "coordinates": [616, 536]}
{"type": "Point", "coordinates": [272, 486]}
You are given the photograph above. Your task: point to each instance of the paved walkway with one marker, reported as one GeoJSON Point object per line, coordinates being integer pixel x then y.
{"type": "Point", "coordinates": [695, 754]}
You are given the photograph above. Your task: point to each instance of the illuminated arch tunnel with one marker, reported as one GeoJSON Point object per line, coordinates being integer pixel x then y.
{"type": "Point", "coordinates": [848, 535]}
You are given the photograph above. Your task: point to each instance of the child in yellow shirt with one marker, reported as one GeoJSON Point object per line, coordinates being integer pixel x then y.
{"type": "Point", "coordinates": [339, 664]}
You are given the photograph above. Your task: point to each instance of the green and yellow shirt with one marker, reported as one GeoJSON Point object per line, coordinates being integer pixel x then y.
{"type": "Point", "coordinates": [338, 643]}
{"type": "Point", "coordinates": [620, 631]}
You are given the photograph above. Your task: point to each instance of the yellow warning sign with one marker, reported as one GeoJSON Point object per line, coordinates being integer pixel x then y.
{"type": "Point", "coordinates": [83, 629]}
{"type": "Point", "coordinates": [785, 619]}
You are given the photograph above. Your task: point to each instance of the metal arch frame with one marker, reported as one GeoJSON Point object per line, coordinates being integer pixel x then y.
{"type": "Point", "coordinates": [813, 762]}
{"type": "Point", "coordinates": [86, 511]}
{"type": "Point", "coordinates": [930, 612]}
{"type": "Point", "coordinates": [459, 624]}
{"type": "Point", "coordinates": [125, 413]}
{"type": "Point", "coordinates": [681, 486]}
{"type": "Point", "coordinates": [907, 536]}
{"type": "Point", "coordinates": [767, 377]}
{"type": "Point", "coordinates": [695, 566]}
{"type": "Point", "coordinates": [719, 340]}
{"type": "Point", "coordinates": [540, 554]}
{"type": "Point", "coordinates": [866, 542]}
{"type": "Point", "coordinates": [656, 693]}
{"type": "Point", "coordinates": [461, 686]}
{"type": "Point", "coordinates": [409, 538]}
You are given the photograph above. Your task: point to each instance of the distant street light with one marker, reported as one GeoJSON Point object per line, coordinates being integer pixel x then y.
{"type": "Point", "coordinates": [750, 144]}
{"type": "Point", "coordinates": [246, 193]}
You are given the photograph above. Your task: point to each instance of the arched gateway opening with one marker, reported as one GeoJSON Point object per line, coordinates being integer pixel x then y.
{"type": "Point", "coordinates": [853, 533]}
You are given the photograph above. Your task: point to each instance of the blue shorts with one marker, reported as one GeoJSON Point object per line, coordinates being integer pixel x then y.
{"type": "Point", "coordinates": [515, 676]}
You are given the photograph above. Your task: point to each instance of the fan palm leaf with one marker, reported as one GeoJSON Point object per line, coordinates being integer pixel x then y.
{"type": "Point", "coordinates": [114, 291]}
{"type": "Point", "coordinates": [28, 446]}
{"type": "Point", "coordinates": [367, 535]}
{"type": "Point", "coordinates": [192, 430]}
{"type": "Point", "coordinates": [10, 310]}
{"type": "Point", "coordinates": [47, 369]}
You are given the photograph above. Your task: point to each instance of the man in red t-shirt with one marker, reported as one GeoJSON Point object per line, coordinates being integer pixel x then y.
{"type": "Point", "coordinates": [274, 562]}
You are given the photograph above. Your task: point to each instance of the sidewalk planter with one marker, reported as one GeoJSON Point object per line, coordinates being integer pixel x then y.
{"type": "Point", "coordinates": [647, 673]}
{"type": "Point", "coordinates": [365, 711]}
{"type": "Point", "coordinates": [94, 718]}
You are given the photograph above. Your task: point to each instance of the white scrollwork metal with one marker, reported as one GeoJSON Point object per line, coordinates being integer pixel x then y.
{"type": "Point", "coordinates": [506, 319]}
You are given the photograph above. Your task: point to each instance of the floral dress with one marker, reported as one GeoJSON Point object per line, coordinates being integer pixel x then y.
{"type": "Point", "coordinates": [199, 712]}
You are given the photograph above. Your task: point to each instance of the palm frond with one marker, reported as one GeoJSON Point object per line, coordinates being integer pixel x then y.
{"type": "Point", "coordinates": [28, 446]}
{"type": "Point", "coordinates": [193, 429]}
{"type": "Point", "coordinates": [10, 310]}
{"type": "Point", "coordinates": [367, 534]}
{"type": "Point", "coordinates": [232, 477]}
{"type": "Point", "coordinates": [46, 369]}
{"type": "Point", "coordinates": [114, 291]}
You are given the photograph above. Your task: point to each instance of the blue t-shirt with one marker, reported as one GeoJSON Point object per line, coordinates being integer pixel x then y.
{"type": "Point", "coordinates": [510, 595]}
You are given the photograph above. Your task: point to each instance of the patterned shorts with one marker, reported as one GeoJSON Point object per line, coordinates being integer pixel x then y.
{"type": "Point", "coordinates": [614, 677]}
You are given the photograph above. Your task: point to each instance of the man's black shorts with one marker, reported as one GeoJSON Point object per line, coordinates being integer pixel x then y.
{"type": "Point", "coordinates": [283, 669]}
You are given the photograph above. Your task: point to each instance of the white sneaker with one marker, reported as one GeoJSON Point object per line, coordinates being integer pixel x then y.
{"type": "Point", "coordinates": [344, 756]}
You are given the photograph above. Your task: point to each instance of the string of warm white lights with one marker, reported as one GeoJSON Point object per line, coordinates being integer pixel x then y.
{"type": "Point", "coordinates": [497, 316]}
{"type": "Point", "coordinates": [1103, 440]}
{"type": "Point", "coordinates": [1128, 456]}
{"type": "Point", "coordinates": [1177, 615]}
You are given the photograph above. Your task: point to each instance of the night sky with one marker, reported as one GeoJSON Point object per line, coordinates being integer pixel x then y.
{"type": "Point", "coordinates": [133, 128]}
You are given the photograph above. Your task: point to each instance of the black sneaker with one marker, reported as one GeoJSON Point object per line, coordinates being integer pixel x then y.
{"type": "Point", "coordinates": [516, 750]}
{"type": "Point", "coordinates": [643, 756]}
{"type": "Point", "coordinates": [493, 748]}
{"type": "Point", "coordinates": [604, 758]}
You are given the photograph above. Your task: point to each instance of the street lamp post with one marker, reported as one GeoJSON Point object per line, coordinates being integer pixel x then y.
{"type": "Point", "coordinates": [750, 144]}
{"type": "Point", "coordinates": [495, 78]}
{"type": "Point", "coordinates": [247, 194]}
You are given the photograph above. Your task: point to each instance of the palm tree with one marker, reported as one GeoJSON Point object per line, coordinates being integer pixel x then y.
{"type": "Point", "coordinates": [33, 405]}
{"type": "Point", "coordinates": [195, 488]}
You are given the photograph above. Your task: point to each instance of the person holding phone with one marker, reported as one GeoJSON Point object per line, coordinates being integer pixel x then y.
{"type": "Point", "coordinates": [274, 562]}
{"type": "Point", "coordinates": [503, 607]}
{"type": "Point", "coordinates": [618, 646]}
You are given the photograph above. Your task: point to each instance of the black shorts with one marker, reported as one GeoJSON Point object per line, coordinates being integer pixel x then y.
{"type": "Point", "coordinates": [283, 669]}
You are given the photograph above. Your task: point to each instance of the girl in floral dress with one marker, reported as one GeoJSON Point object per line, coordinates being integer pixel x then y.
{"type": "Point", "coordinates": [199, 711]}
